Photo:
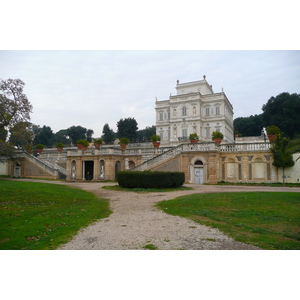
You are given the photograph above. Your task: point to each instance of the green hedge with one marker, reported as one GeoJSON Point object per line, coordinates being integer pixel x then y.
{"type": "Point", "coordinates": [147, 179]}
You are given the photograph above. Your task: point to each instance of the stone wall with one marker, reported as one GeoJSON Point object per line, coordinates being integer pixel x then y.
{"type": "Point", "coordinates": [255, 166]}
{"type": "Point", "coordinates": [24, 168]}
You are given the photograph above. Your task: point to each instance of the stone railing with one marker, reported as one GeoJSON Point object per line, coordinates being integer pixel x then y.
{"type": "Point", "coordinates": [200, 147]}
{"type": "Point", "coordinates": [50, 168]}
{"type": "Point", "coordinates": [245, 147]}
{"type": "Point", "coordinates": [159, 158]}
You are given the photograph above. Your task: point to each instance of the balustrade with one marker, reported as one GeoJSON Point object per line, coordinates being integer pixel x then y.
{"type": "Point", "coordinates": [201, 147]}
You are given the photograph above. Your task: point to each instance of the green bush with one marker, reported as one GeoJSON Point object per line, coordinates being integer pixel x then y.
{"type": "Point", "coordinates": [83, 143]}
{"type": "Point", "coordinates": [147, 179]}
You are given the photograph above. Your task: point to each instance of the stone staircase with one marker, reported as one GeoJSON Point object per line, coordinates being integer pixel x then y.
{"type": "Point", "coordinates": [51, 168]}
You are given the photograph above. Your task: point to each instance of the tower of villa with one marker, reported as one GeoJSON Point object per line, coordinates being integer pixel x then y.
{"type": "Point", "coordinates": [195, 109]}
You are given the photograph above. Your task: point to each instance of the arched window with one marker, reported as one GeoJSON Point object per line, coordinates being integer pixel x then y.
{"type": "Point", "coordinates": [231, 169]}
{"type": "Point", "coordinates": [198, 163]}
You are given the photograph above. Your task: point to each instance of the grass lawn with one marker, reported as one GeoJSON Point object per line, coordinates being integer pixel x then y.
{"type": "Point", "coordinates": [43, 216]}
{"type": "Point", "coordinates": [269, 220]}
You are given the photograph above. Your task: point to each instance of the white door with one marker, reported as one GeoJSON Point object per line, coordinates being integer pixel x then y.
{"type": "Point", "coordinates": [17, 172]}
{"type": "Point", "coordinates": [199, 175]}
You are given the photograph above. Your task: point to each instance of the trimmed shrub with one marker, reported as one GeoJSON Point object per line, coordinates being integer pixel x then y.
{"type": "Point", "coordinates": [147, 179]}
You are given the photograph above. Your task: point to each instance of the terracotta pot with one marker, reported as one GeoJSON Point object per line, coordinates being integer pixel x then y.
{"type": "Point", "coordinates": [97, 146]}
{"type": "Point", "coordinates": [218, 140]}
{"type": "Point", "coordinates": [81, 147]}
{"type": "Point", "coordinates": [194, 141]}
{"type": "Point", "coordinates": [123, 146]}
{"type": "Point", "coordinates": [156, 144]}
{"type": "Point", "coordinates": [39, 150]}
{"type": "Point", "coordinates": [60, 149]}
{"type": "Point", "coordinates": [272, 137]}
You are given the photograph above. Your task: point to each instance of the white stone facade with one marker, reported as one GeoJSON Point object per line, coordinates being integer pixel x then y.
{"type": "Point", "coordinates": [195, 109]}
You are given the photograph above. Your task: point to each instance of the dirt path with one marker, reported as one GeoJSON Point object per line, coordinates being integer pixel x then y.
{"type": "Point", "coordinates": [135, 222]}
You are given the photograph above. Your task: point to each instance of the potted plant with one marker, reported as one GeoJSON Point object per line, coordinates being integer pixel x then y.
{"type": "Point", "coordinates": [124, 142]}
{"type": "Point", "coordinates": [59, 147]}
{"type": "Point", "coordinates": [272, 132]}
{"type": "Point", "coordinates": [82, 144]}
{"type": "Point", "coordinates": [194, 138]}
{"type": "Point", "coordinates": [98, 143]}
{"type": "Point", "coordinates": [155, 139]}
{"type": "Point", "coordinates": [217, 137]}
{"type": "Point", "coordinates": [39, 148]}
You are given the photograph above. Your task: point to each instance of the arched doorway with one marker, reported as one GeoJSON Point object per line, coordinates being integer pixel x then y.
{"type": "Point", "coordinates": [88, 170]}
{"type": "Point", "coordinates": [198, 172]}
{"type": "Point", "coordinates": [17, 170]}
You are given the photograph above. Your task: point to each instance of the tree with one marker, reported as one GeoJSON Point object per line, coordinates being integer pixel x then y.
{"type": "Point", "coordinates": [14, 105]}
{"type": "Point", "coordinates": [79, 133]}
{"type": "Point", "coordinates": [61, 137]}
{"type": "Point", "coordinates": [282, 151]}
{"type": "Point", "coordinates": [127, 128]}
{"type": "Point", "coordinates": [21, 136]}
{"type": "Point", "coordinates": [14, 109]}
{"type": "Point", "coordinates": [249, 126]}
{"type": "Point", "coordinates": [283, 112]}
{"type": "Point", "coordinates": [144, 135]}
{"type": "Point", "coordinates": [89, 134]}
{"type": "Point", "coordinates": [108, 134]}
{"type": "Point", "coordinates": [44, 136]}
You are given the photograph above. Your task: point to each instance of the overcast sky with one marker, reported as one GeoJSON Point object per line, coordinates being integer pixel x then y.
{"type": "Point", "coordinates": [91, 88]}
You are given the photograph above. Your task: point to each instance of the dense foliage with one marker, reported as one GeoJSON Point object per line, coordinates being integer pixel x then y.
{"type": "Point", "coordinates": [79, 133]}
{"type": "Point", "coordinates": [249, 126]}
{"type": "Point", "coordinates": [15, 111]}
{"type": "Point", "coordinates": [147, 179]}
{"type": "Point", "coordinates": [281, 111]}
{"type": "Point", "coordinates": [128, 127]}
{"type": "Point", "coordinates": [282, 151]}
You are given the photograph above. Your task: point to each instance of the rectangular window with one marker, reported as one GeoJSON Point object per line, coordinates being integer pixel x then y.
{"type": "Point", "coordinates": [207, 132]}
{"type": "Point", "coordinates": [184, 133]}
{"type": "Point", "coordinates": [217, 110]}
{"type": "Point", "coordinates": [161, 134]}
{"type": "Point", "coordinates": [161, 116]}
{"type": "Point", "coordinates": [207, 111]}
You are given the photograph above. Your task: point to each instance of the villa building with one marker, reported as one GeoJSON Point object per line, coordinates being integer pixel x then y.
{"type": "Point", "coordinates": [195, 109]}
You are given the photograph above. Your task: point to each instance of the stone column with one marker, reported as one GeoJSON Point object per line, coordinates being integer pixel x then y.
{"type": "Point", "coordinates": [78, 168]}
{"type": "Point", "coordinates": [212, 168]}
{"type": "Point", "coordinates": [96, 169]}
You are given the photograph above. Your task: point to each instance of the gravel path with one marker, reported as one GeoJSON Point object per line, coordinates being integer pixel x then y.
{"type": "Point", "coordinates": [135, 223]}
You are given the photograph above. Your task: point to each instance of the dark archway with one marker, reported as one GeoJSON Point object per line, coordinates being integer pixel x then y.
{"type": "Point", "coordinates": [89, 170]}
